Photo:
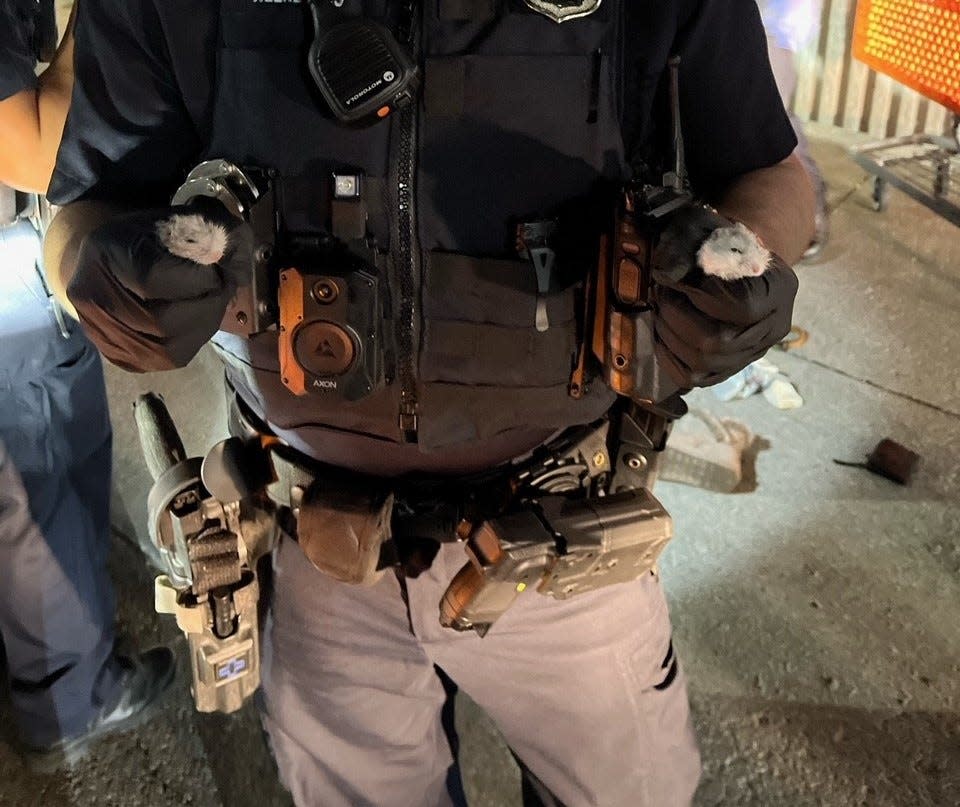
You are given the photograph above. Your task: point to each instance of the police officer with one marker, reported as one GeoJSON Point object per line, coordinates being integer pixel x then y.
{"type": "Point", "coordinates": [69, 682]}
{"type": "Point", "coordinates": [526, 109]}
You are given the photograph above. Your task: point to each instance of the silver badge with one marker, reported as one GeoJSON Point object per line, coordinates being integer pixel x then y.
{"type": "Point", "coordinates": [563, 10]}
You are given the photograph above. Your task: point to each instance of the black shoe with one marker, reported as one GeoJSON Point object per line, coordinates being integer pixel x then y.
{"type": "Point", "coordinates": [145, 680]}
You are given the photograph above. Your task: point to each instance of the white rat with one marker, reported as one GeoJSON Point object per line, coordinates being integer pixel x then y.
{"type": "Point", "coordinates": [193, 237]}
{"type": "Point", "coordinates": [733, 252]}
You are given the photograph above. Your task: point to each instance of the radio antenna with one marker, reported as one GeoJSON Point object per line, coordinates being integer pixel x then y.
{"type": "Point", "coordinates": [680, 180]}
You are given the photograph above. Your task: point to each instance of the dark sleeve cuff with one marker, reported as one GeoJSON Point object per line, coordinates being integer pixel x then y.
{"type": "Point", "coordinates": [14, 81]}
{"type": "Point", "coordinates": [17, 62]}
{"type": "Point", "coordinates": [128, 137]}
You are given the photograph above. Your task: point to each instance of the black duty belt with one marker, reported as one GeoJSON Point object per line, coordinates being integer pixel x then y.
{"type": "Point", "coordinates": [425, 509]}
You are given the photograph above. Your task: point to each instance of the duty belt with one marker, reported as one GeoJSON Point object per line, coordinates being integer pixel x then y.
{"type": "Point", "coordinates": [573, 516]}
{"type": "Point", "coordinates": [570, 518]}
{"type": "Point", "coordinates": [425, 508]}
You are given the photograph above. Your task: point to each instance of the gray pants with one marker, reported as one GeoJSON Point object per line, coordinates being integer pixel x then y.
{"type": "Point", "coordinates": [585, 691]}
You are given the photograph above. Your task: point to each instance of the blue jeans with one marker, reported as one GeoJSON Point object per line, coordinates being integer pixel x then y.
{"type": "Point", "coordinates": [56, 596]}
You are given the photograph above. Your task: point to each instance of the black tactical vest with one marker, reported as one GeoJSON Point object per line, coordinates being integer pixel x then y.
{"type": "Point", "coordinates": [519, 119]}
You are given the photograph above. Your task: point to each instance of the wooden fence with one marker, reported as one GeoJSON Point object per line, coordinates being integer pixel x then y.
{"type": "Point", "coordinates": [834, 89]}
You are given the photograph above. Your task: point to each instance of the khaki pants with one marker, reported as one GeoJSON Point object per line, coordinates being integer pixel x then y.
{"type": "Point", "coordinates": [585, 691]}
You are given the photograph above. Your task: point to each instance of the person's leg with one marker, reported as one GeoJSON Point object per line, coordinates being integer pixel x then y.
{"type": "Point", "coordinates": [58, 650]}
{"type": "Point", "coordinates": [587, 691]}
{"type": "Point", "coordinates": [69, 682]}
{"type": "Point", "coordinates": [350, 702]}
{"type": "Point", "coordinates": [56, 598]}
{"type": "Point", "coordinates": [80, 439]}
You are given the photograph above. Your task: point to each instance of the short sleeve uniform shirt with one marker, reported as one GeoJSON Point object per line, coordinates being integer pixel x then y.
{"type": "Point", "coordinates": [17, 25]}
{"type": "Point", "coordinates": [146, 69]}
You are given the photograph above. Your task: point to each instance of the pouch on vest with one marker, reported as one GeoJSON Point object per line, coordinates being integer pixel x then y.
{"type": "Point", "coordinates": [341, 528]}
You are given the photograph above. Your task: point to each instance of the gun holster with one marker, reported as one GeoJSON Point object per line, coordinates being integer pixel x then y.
{"type": "Point", "coordinates": [210, 528]}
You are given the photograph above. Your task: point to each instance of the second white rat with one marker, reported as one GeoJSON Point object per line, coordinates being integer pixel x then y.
{"type": "Point", "coordinates": [733, 252]}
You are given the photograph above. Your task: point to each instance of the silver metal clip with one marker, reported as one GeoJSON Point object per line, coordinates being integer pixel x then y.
{"type": "Point", "coordinates": [533, 243]}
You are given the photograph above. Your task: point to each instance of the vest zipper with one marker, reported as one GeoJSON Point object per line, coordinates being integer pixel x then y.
{"type": "Point", "coordinates": [408, 250]}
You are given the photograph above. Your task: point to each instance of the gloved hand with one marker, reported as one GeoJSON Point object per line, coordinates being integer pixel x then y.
{"type": "Point", "coordinates": [151, 287]}
{"type": "Point", "coordinates": [706, 327]}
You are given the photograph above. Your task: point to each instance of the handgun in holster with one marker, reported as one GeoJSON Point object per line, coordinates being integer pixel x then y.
{"type": "Point", "coordinates": [210, 530]}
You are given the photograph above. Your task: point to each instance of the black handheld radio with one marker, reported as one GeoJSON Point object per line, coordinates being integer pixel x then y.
{"type": "Point", "coordinates": [360, 69]}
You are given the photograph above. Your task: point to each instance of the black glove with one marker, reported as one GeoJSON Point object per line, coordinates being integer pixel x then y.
{"type": "Point", "coordinates": [146, 308]}
{"type": "Point", "coordinates": [706, 328]}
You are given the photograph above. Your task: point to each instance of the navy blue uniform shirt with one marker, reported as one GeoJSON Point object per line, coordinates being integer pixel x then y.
{"type": "Point", "coordinates": [145, 73]}
{"type": "Point", "coordinates": [499, 134]}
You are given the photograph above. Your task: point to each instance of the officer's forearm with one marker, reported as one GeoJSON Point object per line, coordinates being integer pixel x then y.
{"type": "Point", "coordinates": [778, 204]}
{"type": "Point", "coordinates": [20, 134]}
{"type": "Point", "coordinates": [61, 244]}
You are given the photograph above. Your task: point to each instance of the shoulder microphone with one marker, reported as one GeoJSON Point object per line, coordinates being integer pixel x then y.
{"type": "Point", "coordinates": [360, 69]}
